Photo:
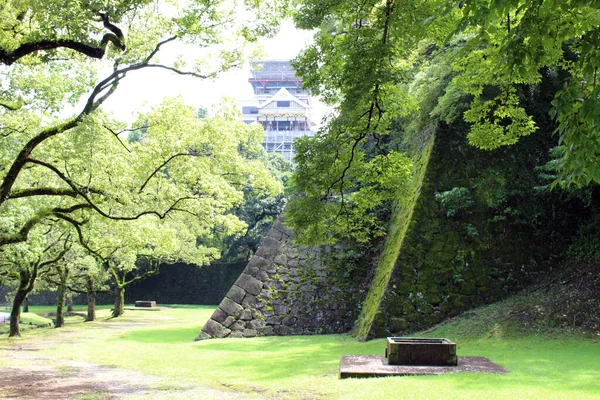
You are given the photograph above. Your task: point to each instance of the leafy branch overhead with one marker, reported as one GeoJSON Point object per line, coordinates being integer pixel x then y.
{"type": "Point", "coordinates": [372, 59]}
{"type": "Point", "coordinates": [115, 36]}
{"type": "Point", "coordinates": [49, 51]}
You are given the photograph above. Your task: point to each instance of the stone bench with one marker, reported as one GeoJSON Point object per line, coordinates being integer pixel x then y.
{"type": "Point", "coordinates": [145, 303]}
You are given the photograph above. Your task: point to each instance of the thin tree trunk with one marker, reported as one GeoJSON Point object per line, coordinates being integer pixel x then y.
{"type": "Point", "coordinates": [15, 313]}
{"type": "Point", "coordinates": [62, 293]}
{"type": "Point", "coordinates": [26, 304]}
{"type": "Point", "coordinates": [91, 300]}
{"type": "Point", "coordinates": [119, 302]}
{"type": "Point", "coordinates": [60, 319]}
{"type": "Point", "coordinates": [69, 303]}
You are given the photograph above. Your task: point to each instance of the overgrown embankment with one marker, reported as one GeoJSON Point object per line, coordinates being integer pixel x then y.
{"type": "Point", "coordinates": [563, 302]}
{"type": "Point", "coordinates": [473, 230]}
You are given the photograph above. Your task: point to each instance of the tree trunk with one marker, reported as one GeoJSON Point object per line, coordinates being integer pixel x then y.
{"type": "Point", "coordinates": [69, 303]}
{"type": "Point", "coordinates": [62, 293]}
{"type": "Point", "coordinates": [26, 281]}
{"type": "Point", "coordinates": [91, 300]}
{"type": "Point", "coordinates": [60, 319]}
{"type": "Point", "coordinates": [119, 302]}
{"type": "Point", "coordinates": [26, 304]}
{"type": "Point", "coordinates": [15, 313]}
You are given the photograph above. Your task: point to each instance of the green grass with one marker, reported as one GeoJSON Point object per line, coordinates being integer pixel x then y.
{"type": "Point", "coordinates": [306, 367]}
{"type": "Point", "coordinates": [29, 320]}
{"type": "Point", "coordinates": [45, 310]}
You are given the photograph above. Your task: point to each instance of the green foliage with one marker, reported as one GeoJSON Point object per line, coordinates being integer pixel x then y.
{"type": "Point", "coordinates": [343, 202]}
{"type": "Point", "coordinates": [510, 43]}
{"type": "Point", "coordinates": [455, 202]}
{"type": "Point", "coordinates": [586, 245]}
{"type": "Point", "coordinates": [162, 194]}
{"type": "Point", "coordinates": [377, 62]}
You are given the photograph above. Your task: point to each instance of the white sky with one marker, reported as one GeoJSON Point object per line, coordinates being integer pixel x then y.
{"type": "Point", "coordinates": [143, 89]}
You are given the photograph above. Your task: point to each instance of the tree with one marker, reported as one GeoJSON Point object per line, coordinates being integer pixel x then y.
{"type": "Point", "coordinates": [356, 63]}
{"type": "Point", "coordinates": [515, 43]}
{"type": "Point", "coordinates": [259, 209]}
{"type": "Point", "coordinates": [23, 263]}
{"type": "Point", "coordinates": [204, 178]}
{"type": "Point", "coordinates": [365, 61]}
{"type": "Point", "coordinates": [49, 49]}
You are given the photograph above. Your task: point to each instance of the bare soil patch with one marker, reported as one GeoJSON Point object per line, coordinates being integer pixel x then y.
{"type": "Point", "coordinates": [31, 376]}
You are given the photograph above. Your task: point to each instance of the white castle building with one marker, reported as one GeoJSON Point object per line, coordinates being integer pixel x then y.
{"type": "Point", "coordinates": [279, 104]}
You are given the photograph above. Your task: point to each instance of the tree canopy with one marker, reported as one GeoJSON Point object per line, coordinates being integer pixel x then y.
{"type": "Point", "coordinates": [369, 58]}
{"type": "Point", "coordinates": [64, 160]}
{"type": "Point", "coordinates": [48, 50]}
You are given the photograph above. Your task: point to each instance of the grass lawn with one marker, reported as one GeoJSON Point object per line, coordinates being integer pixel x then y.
{"type": "Point", "coordinates": [306, 367]}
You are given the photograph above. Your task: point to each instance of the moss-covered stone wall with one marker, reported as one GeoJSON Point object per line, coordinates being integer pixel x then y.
{"type": "Point", "coordinates": [287, 289]}
{"type": "Point", "coordinates": [470, 229]}
{"type": "Point", "coordinates": [401, 218]}
{"type": "Point", "coordinates": [478, 230]}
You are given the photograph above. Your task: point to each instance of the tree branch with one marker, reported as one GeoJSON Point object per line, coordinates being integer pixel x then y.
{"type": "Point", "coordinates": [161, 166]}
{"type": "Point", "coordinates": [30, 192]}
{"type": "Point", "coordinates": [115, 37]}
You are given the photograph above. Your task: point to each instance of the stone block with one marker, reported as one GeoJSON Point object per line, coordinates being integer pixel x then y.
{"type": "Point", "coordinates": [267, 330]}
{"type": "Point", "coordinates": [285, 330]}
{"type": "Point", "coordinates": [219, 315]}
{"type": "Point", "coordinates": [292, 262]}
{"type": "Point", "coordinates": [268, 248]}
{"type": "Point", "coordinates": [268, 313]}
{"type": "Point", "coordinates": [278, 225]}
{"type": "Point", "coordinates": [275, 234]}
{"type": "Point", "coordinates": [215, 329]}
{"type": "Point", "coordinates": [256, 324]}
{"type": "Point", "coordinates": [236, 294]}
{"type": "Point", "coordinates": [230, 307]}
{"type": "Point", "coordinates": [248, 301]}
{"type": "Point", "coordinates": [238, 325]}
{"type": "Point", "coordinates": [273, 320]}
{"type": "Point", "coordinates": [246, 315]}
{"type": "Point", "coordinates": [145, 303]}
{"type": "Point", "coordinates": [262, 276]}
{"type": "Point", "coordinates": [280, 259]}
{"type": "Point", "coordinates": [249, 284]}
{"type": "Point", "coordinates": [249, 333]}
{"type": "Point", "coordinates": [289, 321]}
{"type": "Point", "coordinates": [259, 262]}
{"type": "Point", "coordinates": [281, 309]}
{"type": "Point", "coordinates": [297, 330]}
{"type": "Point", "coordinates": [228, 321]}
{"type": "Point", "coordinates": [236, 334]}
{"type": "Point", "coordinates": [202, 336]}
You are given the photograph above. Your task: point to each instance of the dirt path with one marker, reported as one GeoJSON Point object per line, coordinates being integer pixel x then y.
{"type": "Point", "coordinates": [32, 376]}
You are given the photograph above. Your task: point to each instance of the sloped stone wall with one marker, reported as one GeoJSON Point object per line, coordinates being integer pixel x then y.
{"type": "Point", "coordinates": [286, 289]}
{"type": "Point", "coordinates": [450, 260]}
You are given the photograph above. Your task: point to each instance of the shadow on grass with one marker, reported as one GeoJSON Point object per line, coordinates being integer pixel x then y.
{"type": "Point", "coordinates": [555, 366]}
{"type": "Point", "coordinates": [164, 336]}
{"type": "Point", "coordinates": [288, 357]}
